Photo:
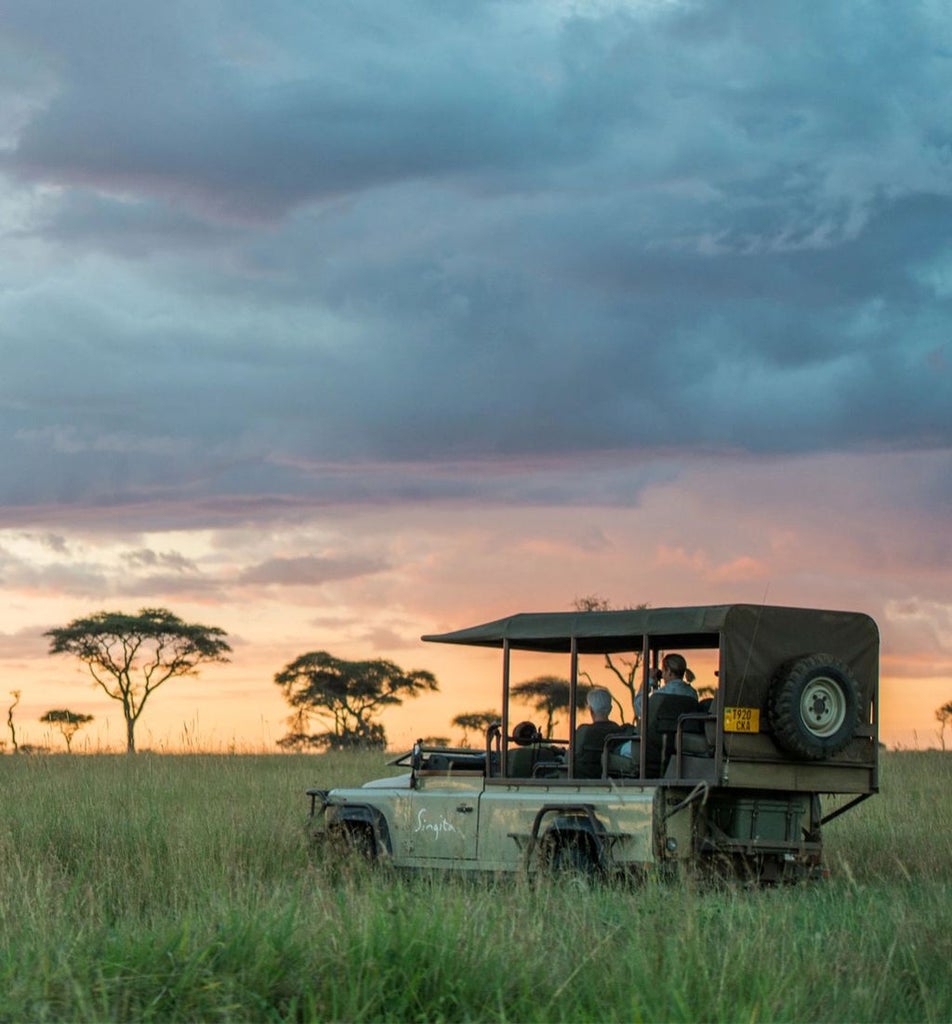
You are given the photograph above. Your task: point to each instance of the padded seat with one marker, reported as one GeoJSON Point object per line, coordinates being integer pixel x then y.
{"type": "Point", "coordinates": [664, 712]}
{"type": "Point", "coordinates": [621, 756]}
{"type": "Point", "coordinates": [590, 744]}
{"type": "Point", "coordinates": [533, 761]}
{"type": "Point", "coordinates": [699, 730]}
{"type": "Point", "coordinates": [696, 743]}
{"type": "Point", "coordinates": [521, 761]}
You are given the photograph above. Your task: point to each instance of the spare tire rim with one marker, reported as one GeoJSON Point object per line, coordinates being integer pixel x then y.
{"type": "Point", "coordinates": [823, 706]}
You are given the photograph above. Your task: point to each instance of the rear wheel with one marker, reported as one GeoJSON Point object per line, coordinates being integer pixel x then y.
{"type": "Point", "coordinates": [814, 707]}
{"type": "Point", "coordinates": [573, 859]}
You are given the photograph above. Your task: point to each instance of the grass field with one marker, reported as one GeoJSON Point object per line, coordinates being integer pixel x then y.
{"type": "Point", "coordinates": [163, 888]}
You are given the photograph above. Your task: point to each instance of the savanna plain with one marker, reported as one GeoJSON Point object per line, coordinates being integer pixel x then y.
{"type": "Point", "coordinates": [181, 888]}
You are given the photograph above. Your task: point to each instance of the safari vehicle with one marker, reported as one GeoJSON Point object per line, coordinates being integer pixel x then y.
{"type": "Point", "coordinates": [732, 784]}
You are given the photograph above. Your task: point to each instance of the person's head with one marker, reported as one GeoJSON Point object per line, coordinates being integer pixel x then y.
{"type": "Point", "coordinates": [673, 666]}
{"type": "Point", "coordinates": [599, 703]}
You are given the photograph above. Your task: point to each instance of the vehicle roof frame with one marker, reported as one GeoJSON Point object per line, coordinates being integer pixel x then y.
{"type": "Point", "coordinates": [750, 639]}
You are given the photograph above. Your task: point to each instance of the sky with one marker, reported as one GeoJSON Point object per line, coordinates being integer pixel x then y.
{"type": "Point", "coordinates": [336, 324]}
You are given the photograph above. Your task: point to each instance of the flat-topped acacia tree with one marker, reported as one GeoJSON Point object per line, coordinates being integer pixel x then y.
{"type": "Point", "coordinates": [68, 722]}
{"type": "Point", "coordinates": [131, 656]}
{"type": "Point", "coordinates": [479, 721]}
{"type": "Point", "coordinates": [549, 695]}
{"type": "Point", "coordinates": [347, 695]}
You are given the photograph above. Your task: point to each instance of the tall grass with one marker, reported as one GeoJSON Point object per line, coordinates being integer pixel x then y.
{"type": "Point", "coordinates": [180, 889]}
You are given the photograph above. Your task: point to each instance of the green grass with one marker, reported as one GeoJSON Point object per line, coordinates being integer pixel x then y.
{"type": "Point", "coordinates": [162, 888]}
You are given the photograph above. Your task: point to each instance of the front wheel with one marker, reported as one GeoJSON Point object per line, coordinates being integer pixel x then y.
{"type": "Point", "coordinates": [351, 846]}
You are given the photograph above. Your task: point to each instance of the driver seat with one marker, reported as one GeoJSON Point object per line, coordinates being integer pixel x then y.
{"type": "Point", "coordinates": [522, 758]}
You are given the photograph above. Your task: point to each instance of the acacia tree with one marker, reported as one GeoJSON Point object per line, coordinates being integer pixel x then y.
{"type": "Point", "coordinates": [346, 695]}
{"type": "Point", "coordinates": [943, 716]}
{"type": "Point", "coordinates": [131, 656]}
{"type": "Point", "coordinates": [478, 721]}
{"type": "Point", "coordinates": [626, 670]}
{"type": "Point", "coordinates": [549, 695]}
{"type": "Point", "coordinates": [68, 722]}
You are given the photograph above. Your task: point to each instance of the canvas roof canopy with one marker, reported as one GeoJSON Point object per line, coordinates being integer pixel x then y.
{"type": "Point", "coordinates": [752, 638]}
{"type": "Point", "coordinates": [594, 632]}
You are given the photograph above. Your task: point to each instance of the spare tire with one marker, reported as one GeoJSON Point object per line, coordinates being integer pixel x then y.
{"type": "Point", "coordinates": [813, 706]}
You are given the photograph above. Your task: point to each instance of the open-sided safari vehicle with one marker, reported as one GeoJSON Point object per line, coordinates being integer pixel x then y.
{"type": "Point", "coordinates": [732, 783]}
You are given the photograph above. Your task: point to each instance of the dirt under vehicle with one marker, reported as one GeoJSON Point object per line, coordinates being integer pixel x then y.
{"type": "Point", "coordinates": [733, 783]}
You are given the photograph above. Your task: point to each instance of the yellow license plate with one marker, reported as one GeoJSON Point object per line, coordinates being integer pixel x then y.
{"type": "Point", "coordinates": [741, 719]}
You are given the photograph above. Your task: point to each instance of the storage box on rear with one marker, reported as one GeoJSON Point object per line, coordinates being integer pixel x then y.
{"type": "Point", "coordinates": [748, 818]}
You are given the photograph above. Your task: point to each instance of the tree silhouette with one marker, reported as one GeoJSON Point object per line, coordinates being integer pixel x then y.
{"type": "Point", "coordinates": [68, 722]}
{"type": "Point", "coordinates": [131, 656]}
{"type": "Point", "coordinates": [477, 721]}
{"type": "Point", "coordinates": [345, 694]}
{"type": "Point", "coordinates": [15, 694]}
{"type": "Point", "coordinates": [549, 695]}
{"type": "Point", "coordinates": [627, 670]}
{"type": "Point", "coordinates": [944, 716]}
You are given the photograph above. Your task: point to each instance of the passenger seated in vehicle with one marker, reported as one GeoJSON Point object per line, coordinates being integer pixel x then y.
{"type": "Point", "coordinates": [673, 698]}
{"type": "Point", "coordinates": [674, 680]}
{"type": "Point", "coordinates": [590, 738]}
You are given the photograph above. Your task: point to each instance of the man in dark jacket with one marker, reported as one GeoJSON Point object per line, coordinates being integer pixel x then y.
{"type": "Point", "coordinates": [590, 738]}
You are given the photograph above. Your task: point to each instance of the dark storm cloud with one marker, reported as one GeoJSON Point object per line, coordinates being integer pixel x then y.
{"type": "Point", "coordinates": [249, 112]}
{"type": "Point", "coordinates": [247, 246]}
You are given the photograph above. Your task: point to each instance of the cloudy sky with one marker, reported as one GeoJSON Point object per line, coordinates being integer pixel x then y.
{"type": "Point", "coordinates": [334, 324]}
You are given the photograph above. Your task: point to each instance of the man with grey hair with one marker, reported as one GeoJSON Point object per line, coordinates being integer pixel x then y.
{"type": "Point", "coordinates": [590, 738]}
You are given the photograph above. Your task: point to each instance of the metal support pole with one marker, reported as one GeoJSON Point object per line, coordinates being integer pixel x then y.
{"type": "Point", "coordinates": [573, 710]}
{"type": "Point", "coordinates": [504, 754]}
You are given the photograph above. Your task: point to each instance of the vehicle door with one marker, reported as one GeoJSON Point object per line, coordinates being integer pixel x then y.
{"type": "Point", "coordinates": [443, 817]}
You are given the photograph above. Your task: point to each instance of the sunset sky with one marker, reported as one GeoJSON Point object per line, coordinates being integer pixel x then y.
{"type": "Point", "coordinates": [336, 324]}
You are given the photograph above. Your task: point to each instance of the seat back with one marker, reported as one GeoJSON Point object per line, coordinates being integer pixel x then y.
{"type": "Point", "coordinates": [621, 756]}
{"type": "Point", "coordinates": [520, 761]}
{"type": "Point", "coordinates": [589, 746]}
{"type": "Point", "coordinates": [664, 710]}
{"type": "Point", "coordinates": [707, 727]}
{"type": "Point", "coordinates": [699, 729]}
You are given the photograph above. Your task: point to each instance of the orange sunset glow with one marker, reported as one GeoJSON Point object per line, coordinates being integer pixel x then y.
{"type": "Point", "coordinates": [438, 569]}
{"type": "Point", "coordinates": [336, 328]}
